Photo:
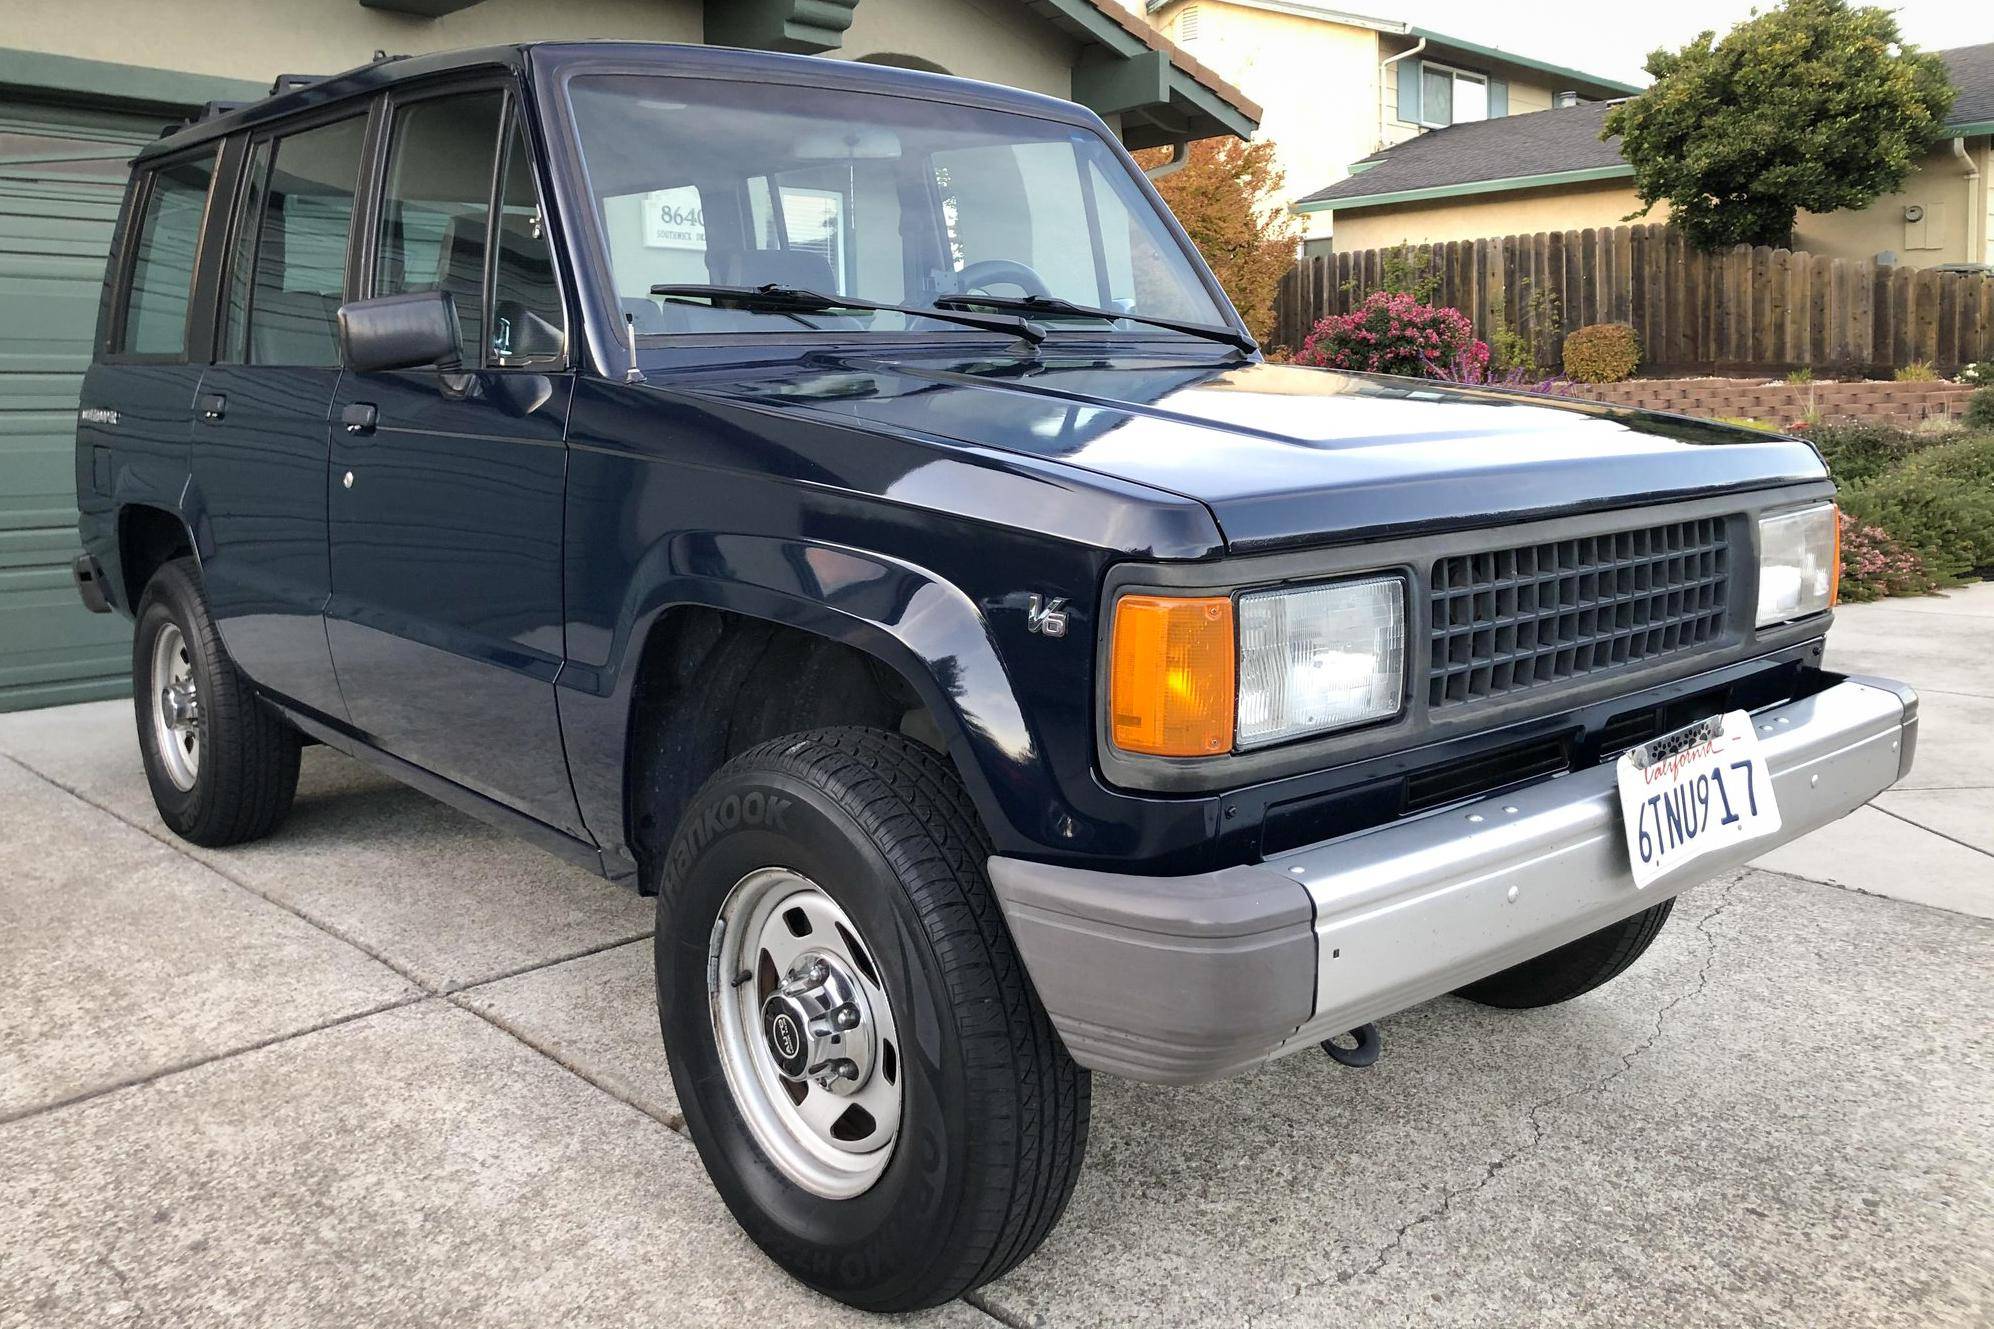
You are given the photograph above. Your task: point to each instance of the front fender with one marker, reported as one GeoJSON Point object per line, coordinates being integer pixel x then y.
{"type": "Point", "coordinates": [910, 619]}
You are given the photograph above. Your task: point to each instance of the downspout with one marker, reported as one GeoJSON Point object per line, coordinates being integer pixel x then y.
{"type": "Point", "coordinates": [1384, 116]}
{"type": "Point", "coordinates": [1976, 211]}
{"type": "Point", "coordinates": [1180, 156]}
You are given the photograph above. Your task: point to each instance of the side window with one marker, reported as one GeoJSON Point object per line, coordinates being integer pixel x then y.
{"type": "Point", "coordinates": [527, 322]}
{"type": "Point", "coordinates": [291, 240]}
{"type": "Point", "coordinates": [435, 211]}
{"type": "Point", "coordinates": [162, 273]}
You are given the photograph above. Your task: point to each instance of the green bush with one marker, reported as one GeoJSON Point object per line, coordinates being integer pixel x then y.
{"type": "Point", "coordinates": [1859, 452]}
{"type": "Point", "coordinates": [1602, 353]}
{"type": "Point", "coordinates": [1939, 504]}
{"type": "Point", "coordinates": [1980, 409]}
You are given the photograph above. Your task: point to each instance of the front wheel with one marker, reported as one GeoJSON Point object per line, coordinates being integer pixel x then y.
{"type": "Point", "coordinates": [863, 1065]}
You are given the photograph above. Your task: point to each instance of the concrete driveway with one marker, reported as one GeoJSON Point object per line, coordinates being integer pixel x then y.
{"type": "Point", "coordinates": [390, 1067]}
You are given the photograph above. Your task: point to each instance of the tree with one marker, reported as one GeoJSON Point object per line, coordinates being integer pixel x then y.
{"type": "Point", "coordinates": [1228, 197]}
{"type": "Point", "coordinates": [1815, 105]}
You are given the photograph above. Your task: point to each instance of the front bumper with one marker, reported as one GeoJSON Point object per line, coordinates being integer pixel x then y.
{"type": "Point", "coordinates": [1184, 979]}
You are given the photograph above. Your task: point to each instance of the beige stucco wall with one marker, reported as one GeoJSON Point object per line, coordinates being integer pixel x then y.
{"type": "Point", "coordinates": [982, 39]}
{"type": "Point", "coordinates": [1954, 228]}
{"type": "Point", "coordinates": [1478, 216]}
{"type": "Point", "coordinates": [1939, 186]}
{"type": "Point", "coordinates": [1318, 84]}
{"type": "Point", "coordinates": [992, 40]}
{"type": "Point", "coordinates": [258, 39]}
{"type": "Point", "coordinates": [1329, 100]}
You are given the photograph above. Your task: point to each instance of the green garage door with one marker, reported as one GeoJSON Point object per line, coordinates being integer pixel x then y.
{"type": "Point", "coordinates": [62, 174]}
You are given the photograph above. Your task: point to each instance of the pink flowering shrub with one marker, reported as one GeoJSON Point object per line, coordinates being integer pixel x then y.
{"type": "Point", "coordinates": [1393, 333]}
{"type": "Point", "coordinates": [1875, 565]}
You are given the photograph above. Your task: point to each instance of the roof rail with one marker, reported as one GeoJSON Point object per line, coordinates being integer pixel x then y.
{"type": "Point", "coordinates": [284, 83]}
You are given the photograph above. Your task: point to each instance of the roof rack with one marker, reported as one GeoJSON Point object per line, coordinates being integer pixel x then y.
{"type": "Point", "coordinates": [284, 83]}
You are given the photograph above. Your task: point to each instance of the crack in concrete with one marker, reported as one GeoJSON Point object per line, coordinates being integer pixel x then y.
{"type": "Point", "coordinates": [1494, 1169]}
{"type": "Point", "coordinates": [1929, 830]}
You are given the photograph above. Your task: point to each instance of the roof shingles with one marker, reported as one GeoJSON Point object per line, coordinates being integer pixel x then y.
{"type": "Point", "coordinates": [1550, 143]}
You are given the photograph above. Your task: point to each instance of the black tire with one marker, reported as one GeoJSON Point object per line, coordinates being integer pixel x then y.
{"type": "Point", "coordinates": [248, 766]}
{"type": "Point", "coordinates": [994, 1122]}
{"type": "Point", "coordinates": [1575, 968]}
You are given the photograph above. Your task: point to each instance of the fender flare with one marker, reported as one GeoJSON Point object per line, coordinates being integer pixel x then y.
{"type": "Point", "coordinates": [913, 621]}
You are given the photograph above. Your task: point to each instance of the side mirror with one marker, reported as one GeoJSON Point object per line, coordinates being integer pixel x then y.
{"type": "Point", "coordinates": [412, 331]}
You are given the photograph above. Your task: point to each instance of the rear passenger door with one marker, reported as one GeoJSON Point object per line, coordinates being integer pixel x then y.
{"type": "Point", "coordinates": [446, 491]}
{"type": "Point", "coordinates": [261, 438]}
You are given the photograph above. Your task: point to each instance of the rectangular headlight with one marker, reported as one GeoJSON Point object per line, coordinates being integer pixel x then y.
{"type": "Point", "coordinates": [1800, 563]}
{"type": "Point", "coordinates": [1315, 658]}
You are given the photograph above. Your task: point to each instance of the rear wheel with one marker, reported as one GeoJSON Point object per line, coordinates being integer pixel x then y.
{"type": "Point", "coordinates": [1574, 968]}
{"type": "Point", "coordinates": [869, 1078]}
{"type": "Point", "coordinates": [222, 765]}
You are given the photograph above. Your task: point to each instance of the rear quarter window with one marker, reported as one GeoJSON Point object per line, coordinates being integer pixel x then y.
{"type": "Point", "coordinates": [162, 270]}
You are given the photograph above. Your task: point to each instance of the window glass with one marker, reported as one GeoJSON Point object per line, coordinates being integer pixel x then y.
{"type": "Point", "coordinates": [888, 199]}
{"type": "Point", "coordinates": [435, 212]}
{"type": "Point", "coordinates": [242, 255]}
{"type": "Point", "coordinates": [163, 262]}
{"type": "Point", "coordinates": [1436, 104]}
{"type": "Point", "coordinates": [1471, 99]}
{"type": "Point", "coordinates": [297, 252]}
{"type": "Point", "coordinates": [527, 322]}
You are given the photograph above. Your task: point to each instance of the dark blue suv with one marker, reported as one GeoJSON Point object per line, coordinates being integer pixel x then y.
{"type": "Point", "coordinates": [838, 501]}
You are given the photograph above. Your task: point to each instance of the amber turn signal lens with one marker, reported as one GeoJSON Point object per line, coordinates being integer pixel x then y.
{"type": "Point", "coordinates": [1835, 563]}
{"type": "Point", "coordinates": [1172, 667]}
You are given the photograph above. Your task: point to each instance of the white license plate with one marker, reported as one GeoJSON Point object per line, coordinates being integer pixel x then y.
{"type": "Point", "coordinates": [1694, 792]}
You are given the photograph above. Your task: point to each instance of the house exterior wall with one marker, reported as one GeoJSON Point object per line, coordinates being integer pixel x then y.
{"type": "Point", "coordinates": [1529, 90]}
{"type": "Point", "coordinates": [1953, 230]}
{"type": "Point", "coordinates": [258, 39]}
{"type": "Point", "coordinates": [1956, 226]}
{"type": "Point", "coordinates": [1317, 82]}
{"type": "Point", "coordinates": [1479, 216]}
{"type": "Point", "coordinates": [980, 39]}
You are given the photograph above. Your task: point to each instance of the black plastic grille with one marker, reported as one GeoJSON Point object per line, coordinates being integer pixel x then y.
{"type": "Point", "coordinates": [1509, 619]}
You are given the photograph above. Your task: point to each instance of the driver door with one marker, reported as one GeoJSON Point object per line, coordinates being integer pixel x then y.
{"type": "Point", "coordinates": [446, 487]}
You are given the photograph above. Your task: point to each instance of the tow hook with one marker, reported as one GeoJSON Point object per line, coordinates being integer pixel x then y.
{"type": "Point", "coordinates": [1368, 1047]}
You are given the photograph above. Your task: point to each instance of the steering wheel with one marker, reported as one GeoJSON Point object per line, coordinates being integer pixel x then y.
{"type": "Point", "coordinates": [985, 273]}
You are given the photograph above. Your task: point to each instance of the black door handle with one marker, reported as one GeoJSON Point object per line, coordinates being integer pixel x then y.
{"type": "Point", "coordinates": [359, 417]}
{"type": "Point", "coordinates": [213, 405]}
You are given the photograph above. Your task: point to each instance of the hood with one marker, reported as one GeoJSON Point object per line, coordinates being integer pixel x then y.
{"type": "Point", "coordinates": [1286, 456]}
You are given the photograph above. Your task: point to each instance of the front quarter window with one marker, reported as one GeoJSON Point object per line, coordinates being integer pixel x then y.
{"type": "Point", "coordinates": [886, 199]}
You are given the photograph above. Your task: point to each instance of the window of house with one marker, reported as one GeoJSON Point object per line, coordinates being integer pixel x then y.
{"type": "Point", "coordinates": [1451, 96]}
{"type": "Point", "coordinates": [162, 279]}
{"type": "Point", "coordinates": [291, 240]}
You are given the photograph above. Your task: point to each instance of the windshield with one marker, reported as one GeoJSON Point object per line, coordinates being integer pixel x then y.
{"type": "Point", "coordinates": [885, 199]}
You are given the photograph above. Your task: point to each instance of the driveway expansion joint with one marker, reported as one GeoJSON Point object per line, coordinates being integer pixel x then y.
{"type": "Point", "coordinates": [1538, 1131]}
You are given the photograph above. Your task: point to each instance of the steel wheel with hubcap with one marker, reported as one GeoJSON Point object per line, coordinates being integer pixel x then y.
{"type": "Point", "coordinates": [223, 765]}
{"type": "Point", "coordinates": [176, 715]}
{"type": "Point", "coordinates": [871, 1082]}
{"type": "Point", "coordinates": [805, 1033]}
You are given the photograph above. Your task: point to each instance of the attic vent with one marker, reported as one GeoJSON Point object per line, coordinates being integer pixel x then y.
{"type": "Point", "coordinates": [1565, 99]}
{"type": "Point", "coordinates": [1187, 24]}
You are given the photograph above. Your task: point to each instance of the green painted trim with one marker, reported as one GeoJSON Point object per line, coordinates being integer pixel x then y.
{"type": "Point", "coordinates": [1469, 187]}
{"type": "Point", "coordinates": [1971, 129]}
{"type": "Point", "coordinates": [1511, 57]}
{"type": "Point", "coordinates": [800, 27]}
{"type": "Point", "coordinates": [104, 81]}
{"type": "Point", "coordinates": [1233, 120]}
{"type": "Point", "coordinates": [1358, 168]}
{"type": "Point", "coordinates": [1109, 85]}
{"type": "Point", "coordinates": [1099, 26]}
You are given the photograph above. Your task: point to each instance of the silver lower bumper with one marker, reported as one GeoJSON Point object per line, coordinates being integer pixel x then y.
{"type": "Point", "coordinates": [1192, 978]}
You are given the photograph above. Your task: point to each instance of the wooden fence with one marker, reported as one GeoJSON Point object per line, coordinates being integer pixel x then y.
{"type": "Point", "coordinates": [1745, 309]}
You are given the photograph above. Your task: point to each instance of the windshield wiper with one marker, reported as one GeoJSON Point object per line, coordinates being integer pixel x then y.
{"type": "Point", "coordinates": [1047, 304]}
{"type": "Point", "coordinates": [775, 298]}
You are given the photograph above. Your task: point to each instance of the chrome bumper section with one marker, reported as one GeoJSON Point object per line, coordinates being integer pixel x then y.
{"type": "Point", "coordinates": [1185, 979]}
